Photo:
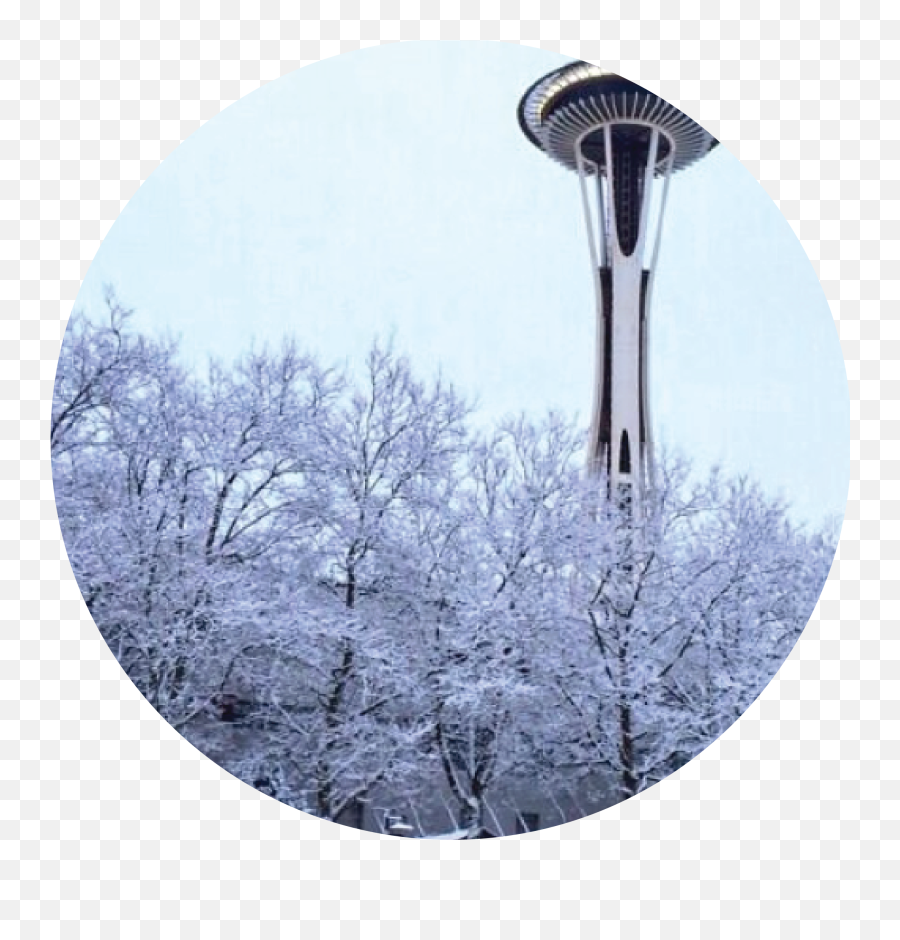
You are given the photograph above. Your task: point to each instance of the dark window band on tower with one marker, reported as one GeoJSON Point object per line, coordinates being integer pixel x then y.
{"type": "Point", "coordinates": [631, 147]}
{"type": "Point", "coordinates": [624, 454]}
{"type": "Point", "coordinates": [606, 375]}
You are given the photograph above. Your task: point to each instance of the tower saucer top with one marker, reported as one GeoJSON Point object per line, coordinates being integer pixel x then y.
{"type": "Point", "coordinates": [578, 100]}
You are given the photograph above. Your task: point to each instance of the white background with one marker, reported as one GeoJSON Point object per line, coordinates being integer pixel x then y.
{"type": "Point", "coordinates": [114, 826]}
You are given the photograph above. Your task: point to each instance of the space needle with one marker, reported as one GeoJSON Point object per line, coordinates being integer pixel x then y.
{"type": "Point", "coordinates": [624, 143]}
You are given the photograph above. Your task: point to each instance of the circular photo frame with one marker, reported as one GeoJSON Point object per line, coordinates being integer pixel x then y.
{"type": "Point", "coordinates": [451, 440]}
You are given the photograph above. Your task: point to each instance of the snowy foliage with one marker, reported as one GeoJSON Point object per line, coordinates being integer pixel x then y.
{"type": "Point", "coordinates": [333, 586]}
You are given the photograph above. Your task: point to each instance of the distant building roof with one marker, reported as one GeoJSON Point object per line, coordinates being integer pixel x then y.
{"type": "Point", "coordinates": [482, 833]}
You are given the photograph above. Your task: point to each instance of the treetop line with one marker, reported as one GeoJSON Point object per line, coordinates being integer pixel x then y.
{"type": "Point", "coordinates": [356, 604]}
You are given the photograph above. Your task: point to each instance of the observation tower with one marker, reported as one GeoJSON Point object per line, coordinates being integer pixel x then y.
{"type": "Point", "coordinates": [628, 142]}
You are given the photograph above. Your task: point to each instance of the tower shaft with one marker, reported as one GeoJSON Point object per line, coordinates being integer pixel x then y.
{"type": "Point", "coordinates": [623, 162]}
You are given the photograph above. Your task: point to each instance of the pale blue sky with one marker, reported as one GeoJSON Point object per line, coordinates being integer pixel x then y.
{"type": "Point", "coordinates": [391, 191]}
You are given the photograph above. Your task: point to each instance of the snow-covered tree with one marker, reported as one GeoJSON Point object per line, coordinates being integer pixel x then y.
{"type": "Point", "coordinates": [336, 588]}
{"type": "Point", "coordinates": [679, 618]}
{"type": "Point", "coordinates": [491, 577]}
{"type": "Point", "coordinates": [383, 455]}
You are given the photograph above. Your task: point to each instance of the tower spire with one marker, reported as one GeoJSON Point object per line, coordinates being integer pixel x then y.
{"type": "Point", "coordinates": [624, 142]}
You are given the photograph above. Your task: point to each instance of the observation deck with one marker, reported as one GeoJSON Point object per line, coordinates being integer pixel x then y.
{"type": "Point", "coordinates": [573, 104]}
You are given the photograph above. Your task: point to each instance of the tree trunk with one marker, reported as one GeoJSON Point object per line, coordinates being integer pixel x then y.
{"type": "Point", "coordinates": [472, 812]}
{"type": "Point", "coordinates": [628, 779]}
{"type": "Point", "coordinates": [324, 791]}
